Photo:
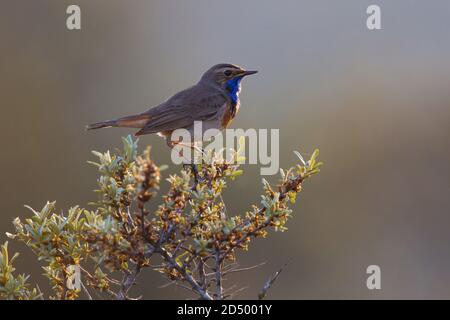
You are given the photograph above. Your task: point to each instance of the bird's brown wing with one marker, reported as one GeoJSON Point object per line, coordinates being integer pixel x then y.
{"type": "Point", "coordinates": [180, 111]}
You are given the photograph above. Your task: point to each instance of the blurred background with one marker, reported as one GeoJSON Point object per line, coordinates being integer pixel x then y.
{"type": "Point", "coordinates": [376, 103]}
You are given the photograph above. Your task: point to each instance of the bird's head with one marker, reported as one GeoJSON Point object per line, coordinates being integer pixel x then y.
{"type": "Point", "coordinates": [226, 76]}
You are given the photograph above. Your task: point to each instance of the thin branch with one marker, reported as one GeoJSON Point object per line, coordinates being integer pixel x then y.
{"type": "Point", "coordinates": [202, 273]}
{"type": "Point", "coordinates": [143, 213]}
{"type": "Point", "coordinates": [218, 271]}
{"type": "Point", "coordinates": [168, 284]}
{"type": "Point", "coordinates": [194, 284]}
{"type": "Point", "coordinates": [130, 218]}
{"type": "Point", "coordinates": [184, 287]}
{"type": "Point", "coordinates": [127, 282]}
{"type": "Point", "coordinates": [234, 293]}
{"type": "Point", "coordinates": [244, 269]}
{"type": "Point", "coordinates": [283, 191]}
{"type": "Point", "coordinates": [91, 278]}
{"type": "Point", "coordinates": [86, 291]}
{"type": "Point", "coordinates": [264, 225]}
{"type": "Point", "coordinates": [223, 213]}
{"type": "Point", "coordinates": [263, 293]}
{"type": "Point", "coordinates": [130, 278]}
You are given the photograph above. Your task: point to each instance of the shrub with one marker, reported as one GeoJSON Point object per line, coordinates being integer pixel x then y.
{"type": "Point", "coordinates": [190, 230]}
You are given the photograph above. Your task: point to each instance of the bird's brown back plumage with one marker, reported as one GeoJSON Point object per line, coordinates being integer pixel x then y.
{"type": "Point", "coordinates": [180, 111]}
{"type": "Point", "coordinates": [209, 100]}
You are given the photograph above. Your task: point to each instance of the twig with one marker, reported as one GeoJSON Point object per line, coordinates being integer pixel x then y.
{"type": "Point", "coordinates": [223, 213]}
{"type": "Point", "coordinates": [174, 282]}
{"type": "Point", "coordinates": [232, 294]}
{"type": "Point", "coordinates": [86, 291]}
{"type": "Point", "coordinates": [195, 173]}
{"type": "Point", "coordinates": [263, 293]}
{"type": "Point", "coordinates": [111, 293]}
{"type": "Point", "coordinates": [92, 278]}
{"type": "Point", "coordinates": [264, 225]}
{"type": "Point", "coordinates": [202, 273]}
{"type": "Point", "coordinates": [130, 218]}
{"type": "Point", "coordinates": [168, 284]}
{"type": "Point", "coordinates": [283, 191]}
{"type": "Point", "coordinates": [244, 269]}
{"type": "Point", "coordinates": [130, 277]}
{"type": "Point", "coordinates": [194, 284]}
{"type": "Point", "coordinates": [127, 282]}
{"type": "Point", "coordinates": [218, 271]}
{"type": "Point", "coordinates": [144, 233]}
{"type": "Point", "coordinates": [184, 287]}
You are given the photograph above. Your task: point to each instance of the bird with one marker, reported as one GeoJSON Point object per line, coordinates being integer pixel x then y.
{"type": "Point", "coordinates": [214, 100]}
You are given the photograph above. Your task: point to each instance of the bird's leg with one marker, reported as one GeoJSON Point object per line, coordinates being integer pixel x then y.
{"type": "Point", "coordinates": [192, 146]}
{"type": "Point", "coordinates": [192, 165]}
{"type": "Point", "coordinates": [195, 172]}
{"type": "Point", "coordinates": [190, 162]}
{"type": "Point", "coordinates": [172, 144]}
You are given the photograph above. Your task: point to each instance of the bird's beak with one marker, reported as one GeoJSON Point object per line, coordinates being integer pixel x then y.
{"type": "Point", "coordinates": [249, 72]}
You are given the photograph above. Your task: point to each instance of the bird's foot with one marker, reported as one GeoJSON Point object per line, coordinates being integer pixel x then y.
{"type": "Point", "coordinates": [194, 171]}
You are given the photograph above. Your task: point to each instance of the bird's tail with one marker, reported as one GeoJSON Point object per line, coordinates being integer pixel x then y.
{"type": "Point", "coordinates": [103, 124]}
{"type": "Point", "coordinates": [136, 121]}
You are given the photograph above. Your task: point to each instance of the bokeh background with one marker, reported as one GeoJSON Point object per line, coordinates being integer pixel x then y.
{"type": "Point", "coordinates": [376, 103]}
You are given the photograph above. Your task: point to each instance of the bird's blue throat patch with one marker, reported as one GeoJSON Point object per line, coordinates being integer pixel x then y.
{"type": "Point", "coordinates": [233, 87]}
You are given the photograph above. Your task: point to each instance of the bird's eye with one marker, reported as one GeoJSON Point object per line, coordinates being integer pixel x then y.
{"type": "Point", "coordinates": [227, 73]}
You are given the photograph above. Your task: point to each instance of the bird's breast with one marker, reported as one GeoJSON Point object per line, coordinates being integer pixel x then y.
{"type": "Point", "coordinates": [229, 112]}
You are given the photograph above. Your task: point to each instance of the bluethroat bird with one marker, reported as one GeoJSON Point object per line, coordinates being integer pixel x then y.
{"type": "Point", "coordinates": [214, 100]}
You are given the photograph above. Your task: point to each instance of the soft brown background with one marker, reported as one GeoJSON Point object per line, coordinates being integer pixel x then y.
{"type": "Point", "coordinates": [376, 103]}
